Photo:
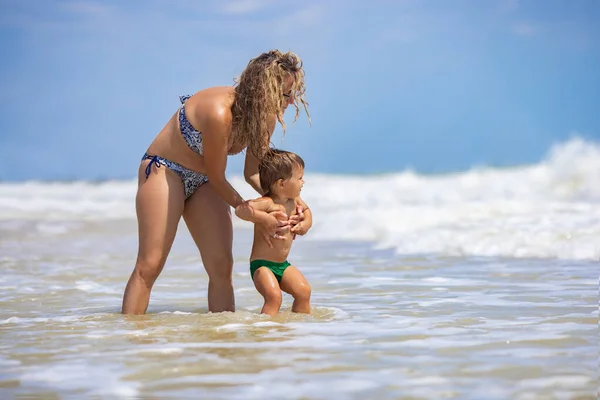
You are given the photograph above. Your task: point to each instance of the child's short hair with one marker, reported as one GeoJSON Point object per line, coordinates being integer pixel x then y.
{"type": "Point", "coordinates": [277, 164]}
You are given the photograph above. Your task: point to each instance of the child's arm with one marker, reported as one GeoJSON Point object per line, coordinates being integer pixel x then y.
{"type": "Point", "coordinates": [303, 226]}
{"type": "Point", "coordinates": [247, 210]}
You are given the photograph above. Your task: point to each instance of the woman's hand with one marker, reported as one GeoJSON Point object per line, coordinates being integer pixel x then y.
{"type": "Point", "coordinates": [274, 226]}
{"type": "Point", "coordinates": [271, 224]}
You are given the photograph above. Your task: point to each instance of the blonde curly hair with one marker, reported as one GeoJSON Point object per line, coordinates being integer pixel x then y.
{"type": "Point", "coordinates": [259, 95]}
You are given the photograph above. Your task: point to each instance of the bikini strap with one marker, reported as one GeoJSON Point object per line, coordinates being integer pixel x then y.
{"type": "Point", "coordinates": [154, 160]}
{"type": "Point", "coordinates": [184, 98]}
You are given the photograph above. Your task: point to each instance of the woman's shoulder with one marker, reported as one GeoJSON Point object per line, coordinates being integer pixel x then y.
{"type": "Point", "coordinates": [224, 91]}
{"type": "Point", "coordinates": [212, 104]}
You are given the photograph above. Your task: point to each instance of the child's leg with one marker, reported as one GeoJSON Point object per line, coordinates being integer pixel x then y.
{"type": "Point", "coordinates": [267, 285]}
{"type": "Point", "coordinates": [294, 283]}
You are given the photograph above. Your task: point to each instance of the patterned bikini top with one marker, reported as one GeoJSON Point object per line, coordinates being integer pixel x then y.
{"type": "Point", "coordinates": [192, 136]}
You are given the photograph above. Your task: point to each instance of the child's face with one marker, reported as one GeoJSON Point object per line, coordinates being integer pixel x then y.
{"type": "Point", "coordinates": [293, 186]}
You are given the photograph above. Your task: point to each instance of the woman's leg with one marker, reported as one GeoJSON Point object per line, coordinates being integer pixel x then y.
{"type": "Point", "coordinates": [267, 285]}
{"type": "Point", "coordinates": [208, 219]}
{"type": "Point", "coordinates": [159, 205]}
{"type": "Point", "coordinates": [294, 283]}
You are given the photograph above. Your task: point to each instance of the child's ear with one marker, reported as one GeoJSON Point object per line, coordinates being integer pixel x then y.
{"type": "Point", "coordinates": [280, 182]}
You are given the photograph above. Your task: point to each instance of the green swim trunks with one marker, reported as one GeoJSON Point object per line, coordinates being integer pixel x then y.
{"type": "Point", "coordinates": [276, 267]}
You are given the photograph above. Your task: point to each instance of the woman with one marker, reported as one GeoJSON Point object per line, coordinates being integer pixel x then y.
{"type": "Point", "coordinates": [183, 174]}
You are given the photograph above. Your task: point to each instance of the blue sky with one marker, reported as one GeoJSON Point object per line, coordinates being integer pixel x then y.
{"type": "Point", "coordinates": [392, 84]}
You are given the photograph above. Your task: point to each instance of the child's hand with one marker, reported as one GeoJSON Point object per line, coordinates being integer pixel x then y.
{"type": "Point", "coordinates": [298, 217]}
{"type": "Point", "coordinates": [299, 229]}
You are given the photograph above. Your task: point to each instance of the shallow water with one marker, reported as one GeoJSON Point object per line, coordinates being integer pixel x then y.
{"type": "Point", "coordinates": [383, 325]}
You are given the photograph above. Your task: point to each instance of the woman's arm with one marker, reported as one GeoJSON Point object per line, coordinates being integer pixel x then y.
{"type": "Point", "coordinates": [251, 162]}
{"type": "Point", "coordinates": [262, 212]}
{"type": "Point", "coordinates": [251, 172]}
{"type": "Point", "coordinates": [215, 139]}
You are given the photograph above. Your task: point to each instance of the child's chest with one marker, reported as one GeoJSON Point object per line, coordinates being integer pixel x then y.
{"type": "Point", "coordinates": [289, 208]}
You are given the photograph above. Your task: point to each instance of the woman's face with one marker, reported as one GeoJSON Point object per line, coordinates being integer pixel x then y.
{"type": "Point", "coordinates": [288, 95]}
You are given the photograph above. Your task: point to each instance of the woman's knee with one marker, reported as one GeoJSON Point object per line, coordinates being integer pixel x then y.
{"type": "Point", "coordinates": [220, 268]}
{"type": "Point", "coordinates": [149, 268]}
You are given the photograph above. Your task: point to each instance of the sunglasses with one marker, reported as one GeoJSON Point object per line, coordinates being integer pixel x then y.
{"type": "Point", "coordinates": [287, 95]}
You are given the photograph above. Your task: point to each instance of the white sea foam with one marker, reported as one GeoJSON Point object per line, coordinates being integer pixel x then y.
{"type": "Point", "coordinates": [72, 376]}
{"type": "Point", "coordinates": [548, 210]}
{"type": "Point", "coordinates": [93, 287]}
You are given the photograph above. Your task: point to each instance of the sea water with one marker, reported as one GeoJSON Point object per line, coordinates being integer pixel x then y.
{"type": "Point", "coordinates": [479, 285]}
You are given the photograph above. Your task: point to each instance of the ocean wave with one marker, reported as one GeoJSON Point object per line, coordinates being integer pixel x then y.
{"type": "Point", "coordinates": [548, 209]}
